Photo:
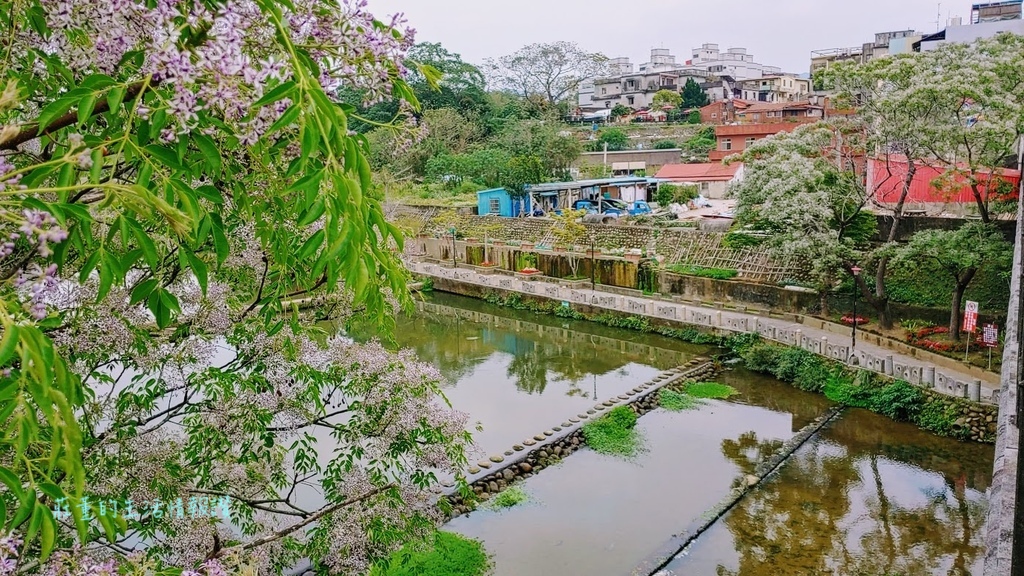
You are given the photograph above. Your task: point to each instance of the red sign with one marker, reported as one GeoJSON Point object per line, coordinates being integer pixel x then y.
{"type": "Point", "coordinates": [990, 335]}
{"type": "Point", "coordinates": [971, 317]}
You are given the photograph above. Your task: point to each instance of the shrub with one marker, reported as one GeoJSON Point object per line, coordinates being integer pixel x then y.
{"type": "Point", "coordinates": [842, 390]}
{"type": "Point", "coordinates": [445, 554]}
{"type": "Point", "coordinates": [899, 401]}
{"type": "Point", "coordinates": [761, 357]}
{"type": "Point", "coordinates": [509, 498]}
{"type": "Point", "coordinates": [940, 418]}
{"type": "Point", "coordinates": [739, 240]}
{"type": "Point", "coordinates": [665, 145]}
{"type": "Point", "coordinates": [615, 433]}
{"type": "Point", "coordinates": [676, 401]}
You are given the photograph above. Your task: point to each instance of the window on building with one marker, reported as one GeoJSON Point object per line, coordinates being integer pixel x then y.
{"type": "Point", "coordinates": [705, 186]}
{"type": "Point", "coordinates": [757, 116]}
{"type": "Point", "coordinates": [629, 100]}
{"type": "Point", "coordinates": [604, 90]}
{"type": "Point", "coordinates": [495, 206]}
{"type": "Point", "coordinates": [714, 114]}
{"type": "Point", "coordinates": [727, 144]}
{"type": "Point", "coordinates": [748, 142]}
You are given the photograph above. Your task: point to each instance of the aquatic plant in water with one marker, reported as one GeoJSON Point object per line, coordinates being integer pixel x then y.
{"type": "Point", "coordinates": [509, 498]}
{"type": "Point", "coordinates": [615, 433]}
{"type": "Point", "coordinates": [677, 401]}
{"type": "Point", "coordinates": [710, 390]}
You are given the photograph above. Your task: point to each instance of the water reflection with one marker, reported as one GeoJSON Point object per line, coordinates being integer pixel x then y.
{"type": "Point", "coordinates": [868, 496]}
{"type": "Point", "coordinates": [518, 373]}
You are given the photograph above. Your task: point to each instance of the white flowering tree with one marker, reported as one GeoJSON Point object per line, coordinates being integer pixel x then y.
{"type": "Point", "coordinates": [803, 189]}
{"type": "Point", "coordinates": [176, 183]}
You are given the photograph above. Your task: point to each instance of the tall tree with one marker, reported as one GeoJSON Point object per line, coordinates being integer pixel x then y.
{"type": "Point", "coordinates": [552, 72]}
{"type": "Point", "coordinates": [961, 254]}
{"type": "Point", "coordinates": [804, 192]}
{"type": "Point", "coordinates": [693, 95]}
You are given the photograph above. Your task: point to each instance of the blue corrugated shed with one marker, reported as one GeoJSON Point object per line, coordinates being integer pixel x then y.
{"type": "Point", "coordinates": [498, 201]}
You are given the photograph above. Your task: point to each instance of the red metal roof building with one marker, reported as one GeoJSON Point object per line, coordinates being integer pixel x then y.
{"type": "Point", "coordinates": [932, 185]}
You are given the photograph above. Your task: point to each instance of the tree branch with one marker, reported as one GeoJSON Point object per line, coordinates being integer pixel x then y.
{"type": "Point", "coordinates": [30, 131]}
{"type": "Point", "coordinates": [313, 518]}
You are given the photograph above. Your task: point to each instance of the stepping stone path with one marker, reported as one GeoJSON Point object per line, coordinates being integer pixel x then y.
{"type": "Point", "coordinates": [484, 464]}
{"type": "Point", "coordinates": [529, 442]}
{"type": "Point", "coordinates": [539, 437]}
{"type": "Point", "coordinates": [557, 428]}
{"type": "Point", "coordinates": [517, 448]}
{"type": "Point", "coordinates": [497, 459]}
{"type": "Point", "coordinates": [549, 433]}
{"type": "Point", "coordinates": [574, 420]}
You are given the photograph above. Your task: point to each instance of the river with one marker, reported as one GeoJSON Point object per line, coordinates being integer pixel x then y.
{"type": "Point", "coordinates": [866, 495]}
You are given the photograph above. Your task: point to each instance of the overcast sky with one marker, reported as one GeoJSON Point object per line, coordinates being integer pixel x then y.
{"type": "Point", "coordinates": [777, 32]}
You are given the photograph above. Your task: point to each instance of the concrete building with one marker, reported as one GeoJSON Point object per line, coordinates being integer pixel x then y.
{"type": "Point", "coordinates": [884, 44]}
{"type": "Point", "coordinates": [734, 62]}
{"type": "Point", "coordinates": [718, 73]}
{"type": "Point", "coordinates": [987, 20]}
{"type": "Point", "coordinates": [776, 89]}
{"type": "Point", "coordinates": [735, 139]}
{"type": "Point", "coordinates": [773, 113]}
{"type": "Point", "coordinates": [712, 179]}
{"type": "Point", "coordinates": [722, 111]}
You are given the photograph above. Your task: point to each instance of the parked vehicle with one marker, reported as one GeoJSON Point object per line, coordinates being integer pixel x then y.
{"type": "Point", "coordinates": [612, 207]}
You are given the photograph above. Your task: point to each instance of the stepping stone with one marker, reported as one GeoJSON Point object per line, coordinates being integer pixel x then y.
{"type": "Point", "coordinates": [517, 448]}
{"type": "Point", "coordinates": [598, 408]}
{"type": "Point", "coordinates": [574, 420]}
{"type": "Point", "coordinates": [591, 411]}
{"type": "Point", "coordinates": [557, 428]}
{"type": "Point", "coordinates": [567, 424]}
{"type": "Point", "coordinates": [549, 433]}
{"type": "Point", "coordinates": [623, 397]}
{"type": "Point", "coordinates": [497, 459]}
{"type": "Point", "coordinates": [509, 452]}
{"type": "Point", "coordinates": [484, 464]}
{"type": "Point", "coordinates": [474, 470]}
{"type": "Point", "coordinates": [608, 403]}
{"type": "Point", "coordinates": [539, 437]}
{"type": "Point", "coordinates": [529, 442]}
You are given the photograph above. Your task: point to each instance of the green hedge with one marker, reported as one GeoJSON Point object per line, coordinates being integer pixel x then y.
{"type": "Point", "coordinates": [716, 273]}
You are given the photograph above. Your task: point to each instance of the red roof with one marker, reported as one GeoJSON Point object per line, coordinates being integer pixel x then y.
{"type": "Point", "coordinates": [755, 129]}
{"type": "Point", "coordinates": [711, 172]}
{"type": "Point", "coordinates": [887, 181]}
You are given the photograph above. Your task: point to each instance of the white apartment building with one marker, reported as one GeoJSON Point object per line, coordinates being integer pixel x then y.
{"type": "Point", "coordinates": [987, 20]}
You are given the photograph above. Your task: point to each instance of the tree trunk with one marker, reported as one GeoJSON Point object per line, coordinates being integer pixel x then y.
{"type": "Point", "coordinates": [982, 207]}
{"type": "Point", "coordinates": [959, 287]}
{"type": "Point", "coordinates": [823, 296]}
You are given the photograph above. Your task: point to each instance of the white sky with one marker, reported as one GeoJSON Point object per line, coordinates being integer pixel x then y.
{"type": "Point", "coordinates": [777, 32]}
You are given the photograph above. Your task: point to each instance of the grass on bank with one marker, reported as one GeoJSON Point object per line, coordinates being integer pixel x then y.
{"type": "Point", "coordinates": [615, 433]}
{"type": "Point", "coordinates": [449, 555]}
{"type": "Point", "coordinates": [509, 498]}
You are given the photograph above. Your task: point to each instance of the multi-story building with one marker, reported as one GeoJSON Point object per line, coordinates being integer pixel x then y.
{"type": "Point", "coordinates": [722, 111]}
{"type": "Point", "coordinates": [773, 113]}
{"type": "Point", "coordinates": [734, 62]}
{"type": "Point", "coordinates": [987, 20]}
{"type": "Point", "coordinates": [718, 72]}
{"type": "Point", "coordinates": [885, 43]}
{"type": "Point", "coordinates": [734, 139]}
{"type": "Point", "coordinates": [776, 89]}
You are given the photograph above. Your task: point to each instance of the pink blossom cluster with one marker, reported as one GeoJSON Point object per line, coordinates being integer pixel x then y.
{"type": "Point", "coordinates": [38, 283]}
{"type": "Point", "coordinates": [78, 562]}
{"type": "Point", "coordinates": [38, 228]}
{"type": "Point", "coordinates": [9, 545]}
{"type": "Point", "coordinates": [237, 61]}
{"type": "Point", "coordinates": [5, 168]}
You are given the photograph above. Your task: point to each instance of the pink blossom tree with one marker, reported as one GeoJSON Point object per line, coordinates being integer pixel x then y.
{"type": "Point", "coordinates": [176, 178]}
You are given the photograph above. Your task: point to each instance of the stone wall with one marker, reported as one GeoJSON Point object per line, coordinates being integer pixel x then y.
{"type": "Point", "coordinates": [945, 381]}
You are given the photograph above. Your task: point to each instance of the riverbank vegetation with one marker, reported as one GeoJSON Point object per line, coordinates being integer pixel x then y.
{"type": "Point", "coordinates": [443, 554]}
{"type": "Point", "coordinates": [940, 414]}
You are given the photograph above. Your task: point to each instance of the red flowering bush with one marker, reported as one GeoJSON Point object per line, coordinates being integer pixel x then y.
{"type": "Point", "coordinates": [529, 271]}
{"type": "Point", "coordinates": [849, 320]}
{"type": "Point", "coordinates": [487, 263]}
